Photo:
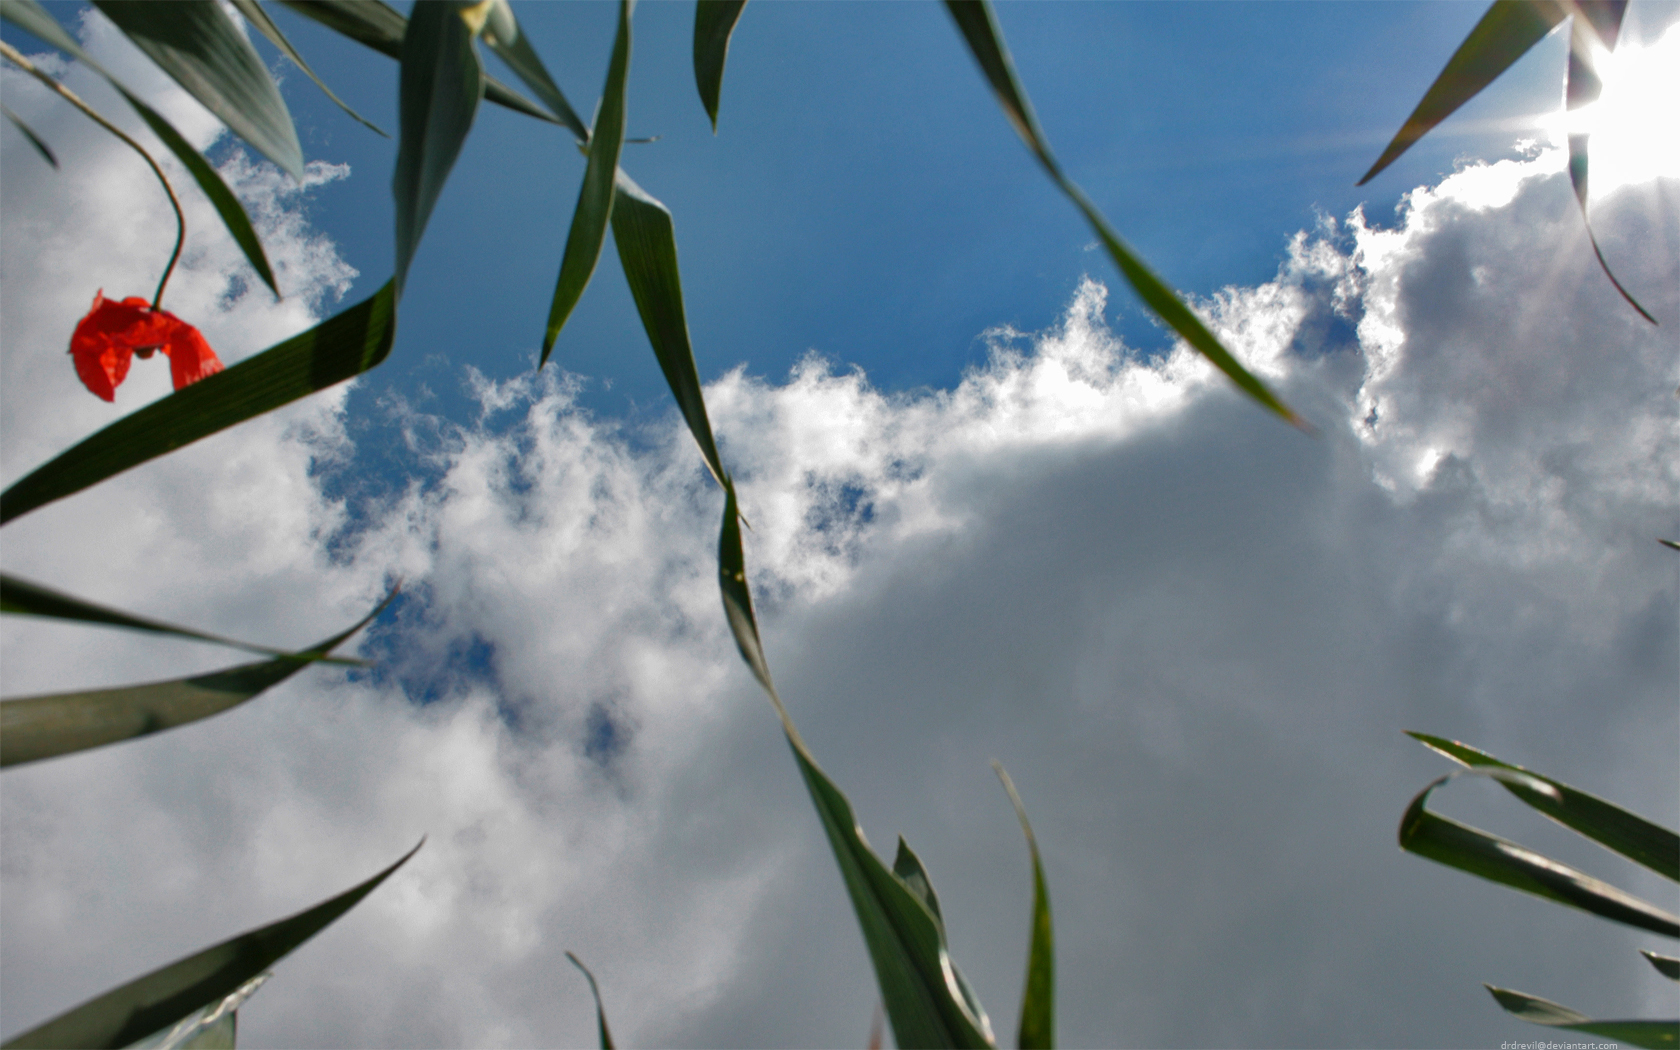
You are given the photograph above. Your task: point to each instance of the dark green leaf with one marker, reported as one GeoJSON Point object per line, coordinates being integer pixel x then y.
{"type": "Point", "coordinates": [31, 599]}
{"type": "Point", "coordinates": [162, 997]}
{"type": "Point", "coordinates": [202, 48]}
{"type": "Point", "coordinates": [441, 82]}
{"type": "Point", "coordinates": [30, 16]}
{"type": "Point", "coordinates": [908, 867]}
{"type": "Point", "coordinates": [512, 47]}
{"type": "Point", "coordinates": [37, 727]}
{"type": "Point", "coordinates": [595, 197]}
{"type": "Point", "coordinates": [647, 249]}
{"type": "Point", "coordinates": [213, 1026]}
{"type": "Point", "coordinates": [1657, 1034]}
{"type": "Point", "coordinates": [253, 12]}
{"type": "Point", "coordinates": [375, 25]}
{"type": "Point", "coordinates": [980, 30]}
{"type": "Point", "coordinates": [714, 21]}
{"type": "Point", "coordinates": [34, 139]}
{"type": "Point", "coordinates": [338, 348]}
{"type": "Point", "coordinates": [1497, 860]}
{"type": "Point", "coordinates": [1670, 544]}
{"type": "Point", "coordinates": [1666, 965]}
{"type": "Point", "coordinates": [1607, 824]}
{"type": "Point", "coordinates": [1038, 999]}
{"type": "Point", "coordinates": [600, 1011]}
{"type": "Point", "coordinates": [1504, 35]}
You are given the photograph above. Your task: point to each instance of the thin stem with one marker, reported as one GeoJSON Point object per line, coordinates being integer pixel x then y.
{"type": "Point", "coordinates": [69, 96]}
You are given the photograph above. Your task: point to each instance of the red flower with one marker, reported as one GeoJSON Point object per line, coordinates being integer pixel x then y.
{"type": "Point", "coordinates": [111, 334]}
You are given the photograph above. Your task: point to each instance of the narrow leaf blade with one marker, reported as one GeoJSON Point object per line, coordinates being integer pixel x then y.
{"type": "Point", "coordinates": [1666, 965]}
{"type": "Point", "coordinates": [252, 11]}
{"type": "Point", "coordinates": [345, 345]}
{"type": "Point", "coordinates": [522, 58]}
{"type": "Point", "coordinates": [164, 996]}
{"type": "Point", "coordinates": [1607, 824]}
{"type": "Point", "coordinates": [1497, 860]}
{"type": "Point", "coordinates": [1659, 1035]}
{"type": "Point", "coordinates": [202, 49]}
{"type": "Point", "coordinates": [1037, 1030]}
{"type": "Point", "coordinates": [600, 1010]}
{"type": "Point", "coordinates": [714, 21]}
{"type": "Point", "coordinates": [34, 140]}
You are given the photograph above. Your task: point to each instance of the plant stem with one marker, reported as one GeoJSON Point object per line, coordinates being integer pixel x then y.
{"type": "Point", "coordinates": [69, 96]}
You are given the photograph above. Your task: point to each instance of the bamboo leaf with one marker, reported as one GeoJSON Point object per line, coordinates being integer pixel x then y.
{"type": "Point", "coordinates": [647, 249]}
{"type": "Point", "coordinates": [1470, 849]}
{"type": "Point", "coordinates": [714, 21]}
{"type": "Point", "coordinates": [979, 29]}
{"type": "Point", "coordinates": [33, 18]}
{"type": "Point", "coordinates": [513, 48]}
{"type": "Point", "coordinates": [164, 996]}
{"type": "Point", "coordinates": [1666, 965]}
{"type": "Point", "coordinates": [34, 140]}
{"type": "Point", "coordinates": [1655, 1034]}
{"type": "Point", "coordinates": [600, 1011]}
{"type": "Point", "coordinates": [344, 345]}
{"type": "Point", "coordinates": [203, 50]}
{"type": "Point", "coordinates": [595, 197]}
{"type": "Point", "coordinates": [1605, 823]}
{"type": "Point", "coordinates": [37, 727]}
{"type": "Point", "coordinates": [1038, 999]}
{"type": "Point", "coordinates": [253, 13]}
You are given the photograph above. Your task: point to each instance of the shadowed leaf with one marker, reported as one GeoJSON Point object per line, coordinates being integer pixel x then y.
{"type": "Point", "coordinates": [253, 13]}
{"type": "Point", "coordinates": [714, 21]}
{"type": "Point", "coordinates": [1655, 1034]}
{"type": "Point", "coordinates": [1038, 999]}
{"type": "Point", "coordinates": [203, 50]}
{"type": "Point", "coordinates": [37, 727]}
{"type": "Point", "coordinates": [1469, 849]}
{"type": "Point", "coordinates": [600, 1011]}
{"type": "Point", "coordinates": [342, 346]}
{"type": "Point", "coordinates": [1605, 823]}
{"type": "Point", "coordinates": [34, 139]}
{"type": "Point", "coordinates": [595, 197]}
{"type": "Point", "coordinates": [512, 47]}
{"type": "Point", "coordinates": [213, 1026]}
{"type": "Point", "coordinates": [162, 997]}
{"type": "Point", "coordinates": [1666, 965]}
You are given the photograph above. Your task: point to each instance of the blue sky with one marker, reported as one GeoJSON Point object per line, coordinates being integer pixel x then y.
{"type": "Point", "coordinates": [998, 515]}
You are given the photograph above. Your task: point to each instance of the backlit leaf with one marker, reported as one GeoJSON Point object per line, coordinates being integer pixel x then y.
{"type": "Point", "coordinates": [1655, 1034]}
{"type": "Point", "coordinates": [253, 13]}
{"type": "Point", "coordinates": [1038, 999]}
{"type": "Point", "coordinates": [714, 21]}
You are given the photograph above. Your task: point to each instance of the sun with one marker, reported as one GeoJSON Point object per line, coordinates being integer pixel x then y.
{"type": "Point", "coordinates": [1635, 124]}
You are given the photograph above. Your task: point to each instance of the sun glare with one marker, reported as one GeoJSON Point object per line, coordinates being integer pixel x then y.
{"type": "Point", "coordinates": [1635, 124]}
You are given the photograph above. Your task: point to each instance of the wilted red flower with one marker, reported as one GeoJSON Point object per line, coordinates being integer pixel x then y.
{"type": "Point", "coordinates": [111, 334]}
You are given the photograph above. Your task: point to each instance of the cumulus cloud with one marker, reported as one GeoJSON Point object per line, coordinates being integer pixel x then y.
{"type": "Point", "coordinates": [1192, 634]}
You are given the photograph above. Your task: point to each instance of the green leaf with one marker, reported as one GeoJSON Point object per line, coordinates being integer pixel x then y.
{"type": "Point", "coordinates": [1670, 544]}
{"type": "Point", "coordinates": [338, 348]}
{"type": "Point", "coordinates": [714, 21]}
{"type": "Point", "coordinates": [980, 30]}
{"type": "Point", "coordinates": [21, 597]}
{"type": "Point", "coordinates": [926, 999]}
{"type": "Point", "coordinates": [164, 996]}
{"type": "Point", "coordinates": [1657, 1034]}
{"type": "Point", "coordinates": [595, 197]}
{"type": "Point", "coordinates": [37, 727]}
{"type": "Point", "coordinates": [1605, 823]}
{"type": "Point", "coordinates": [213, 1026]}
{"type": "Point", "coordinates": [1497, 860]}
{"type": "Point", "coordinates": [1038, 999]}
{"type": "Point", "coordinates": [1666, 965]}
{"type": "Point", "coordinates": [34, 139]}
{"type": "Point", "coordinates": [908, 867]}
{"type": "Point", "coordinates": [375, 25]}
{"type": "Point", "coordinates": [441, 82]}
{"type": "Point", "coordinates": [202, 48]}
{"type": "Point", "coordinates": [512, 47]}
{"type": "Point", "coordinates": [33, 18]}
{"type": "Point", "coordinates": [647, 249]}
{"type": "Point", "coordinates": [600, 1011]}
{"type": "Point", "coordinates": [253, 13]}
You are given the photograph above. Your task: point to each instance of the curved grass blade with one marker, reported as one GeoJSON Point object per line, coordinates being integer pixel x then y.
{"type": "Point", "coordinates": [31, 17]}
{"type": "Point", "coordinates": [926, 999]}
{"type": "Point", "coordinates": [164, 996]}
{"type": "Point", "coordinates": [600, 1011]}
{"type": "Point", "coordinates": [979, 29]}
{"type": "Point", "coordinates": [1655, 1034]}
{"type": "Point", "coordinates": [439, 90]}
{"type": "Point", "coordinates": [1504, 35]}
{"type": "Point", "coordinates": [1605, 823]}
{"type": "Point", "coordinates": [253, 12]}
{"type": "Point", "coordinates": [1038, 999]}
{"type": "Point", "coordinates": [714, 21]}
{"type": "Point", "coordinates": [344, 345]}
{"type": "Point", "coordinates": [512, 47]}
{"type": "Point", "coordinates": [213, 1026]}
{"type": "Point", "coordinates": [34, 140]}
{"type": "Point", "coordinates": [203, 50]}
{"type": "Point", "coordinates": [1666, 965]}
{"type": "Point", "coordinates": [377, 26]}
{"type": "Point", "coordinates": [37, 727]}
{"type": "Point", "coordinates": [595, 196]}
{"type": "Point", "coordinates": [647, 249]}
{"type": "Point", "coordinates": [1470, 849]}
{"type": "Point", "coordinates": [20, 597]}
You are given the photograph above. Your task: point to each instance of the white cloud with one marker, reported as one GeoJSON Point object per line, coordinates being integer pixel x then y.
{"type": "Point", "coordinates": [1192, 634]}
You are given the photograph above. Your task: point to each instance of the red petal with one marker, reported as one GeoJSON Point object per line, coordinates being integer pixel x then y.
{"type": "Point", "coordinates": [190, 356]}
{"type": "Point", "coordinates": [106, 340]}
